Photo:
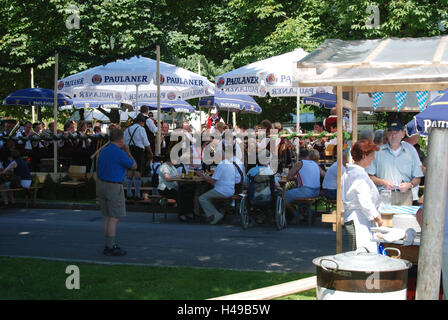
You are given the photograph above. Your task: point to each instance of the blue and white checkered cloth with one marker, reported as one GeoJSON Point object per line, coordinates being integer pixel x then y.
{"type": "Point", "coordinates": [399, 98]}
{"type": "Point", "coordinates": [377, 96]}
{"type": "Point", "coordinates": [401, 209]}
{"type": "Point", "coordinates": [422, 99]}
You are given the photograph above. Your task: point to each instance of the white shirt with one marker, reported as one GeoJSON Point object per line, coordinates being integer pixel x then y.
{"type": "Point", "coordinates": [140, 138]}
{"type": "Point", "coordinates": [331, 177]}
{"type": "Point", "coordinates": [310, 175]}
{"type": "Point", "coordinates": [172, 172]}
{"type": "Point", "coordinates": [225, 178]}
{"type": "Point", "coordinates": [21, 133]}
{"type": "Point", "coordinates": [359, 195]}
{"type": "Point", "coordinates": [151, 126]}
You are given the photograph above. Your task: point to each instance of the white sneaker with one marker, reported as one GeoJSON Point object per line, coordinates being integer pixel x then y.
{"type": "Point", "coordinates": [217, 218]}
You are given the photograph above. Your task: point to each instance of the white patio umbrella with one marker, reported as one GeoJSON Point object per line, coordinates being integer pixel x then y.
{"type": "Point", "coordinates": [136, 78]}
{"type": "Point", "coordinates": [272, 75]}
{"type": "Point", "coordinates": [131, 78]}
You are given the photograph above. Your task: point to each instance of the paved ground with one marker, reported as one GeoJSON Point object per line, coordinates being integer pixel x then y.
{"type": "Point", "coordinates": [76, 235]}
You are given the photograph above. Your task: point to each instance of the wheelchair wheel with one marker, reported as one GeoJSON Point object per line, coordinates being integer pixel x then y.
{"type": "Point", "coordinates": [280, 218]}
{"type": "Point", "coordinates": [244, 213]}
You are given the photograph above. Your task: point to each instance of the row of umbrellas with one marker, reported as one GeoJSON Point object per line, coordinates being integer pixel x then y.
{"type": "Point", "coordinates": [45, 97]}
{"type": "Point", "coordinates": [133, 81]}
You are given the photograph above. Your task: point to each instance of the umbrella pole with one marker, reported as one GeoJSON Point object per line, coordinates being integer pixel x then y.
{"type": "Point", "coordinates": [55, 114]}
{"type": "Point", "coordinates": [200, 113]}
{"type": "Point", "coordinates": [33, 112]}
{"type": "Point", "coordinates": [298, 117]}
{"type": "Point", "coordinates": [136, 98]}
{"type": "Point", "coordinates": [159, 127]}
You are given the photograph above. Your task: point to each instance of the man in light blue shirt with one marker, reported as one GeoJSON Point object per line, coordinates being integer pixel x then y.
{"type": "Point", "coordinates": [396, 166]}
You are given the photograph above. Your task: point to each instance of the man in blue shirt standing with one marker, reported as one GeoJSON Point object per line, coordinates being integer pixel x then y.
{"type": "Point", "coordinates": [396, 166]}
{"type": "Point", "coordinates": [112, 165]}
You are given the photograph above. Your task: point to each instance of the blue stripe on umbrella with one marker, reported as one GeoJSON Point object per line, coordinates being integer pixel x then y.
{"type": "Point", "coordinates": [225, 101]}
{"type": "Point", "coordinates": [435, 115]}
{"type": "Point", "coordinates": [36, 97]}
{"type": "Point", "coordinates": [324, 99]}
{"type": "Point", "coordinates": [169, 105]}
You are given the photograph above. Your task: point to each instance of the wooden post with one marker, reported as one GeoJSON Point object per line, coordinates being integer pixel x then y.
{"type": "Point", "coordinates": [354, 99]}
{"type": "Point", "coordinates": [159, 109]}
{"type": "Point", "coordinates": [339, 171]}
{"type": "Point", "coordinates": [431, 243]}
{"type": "Point", "coordinates": [55, 114]}
{"type": "Point", "coordinates": [298, 118]}
{"type": "Point", "coordinates": [33, 112]}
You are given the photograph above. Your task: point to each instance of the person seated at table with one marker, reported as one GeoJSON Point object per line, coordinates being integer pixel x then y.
{"type": "Point", "coordinates": [329, 185]}
{"type": "Point", "coordinates": [17, 173]}
{"type": "Point", "coordinates": [20, 169]}
{"type": "Point", "coordinates": [261, 168]}
{"type": "Point", "coordinates": [223, 182]}
{"type": "Point", "coordinates": [314, 155]}
{"type": "Point", "coordinates": [170, 189]}
{"type": "Point", "coordinates": [306, 173]}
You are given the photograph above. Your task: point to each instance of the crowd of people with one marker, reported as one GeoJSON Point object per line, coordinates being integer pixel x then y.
{"type": "Point", "coordinates": [298, 159]}
{"type": "Point", "coordinates": [381, 160]}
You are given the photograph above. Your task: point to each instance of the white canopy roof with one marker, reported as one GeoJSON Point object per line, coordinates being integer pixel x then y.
{"type": "Point", "coordinates": [374, 62]}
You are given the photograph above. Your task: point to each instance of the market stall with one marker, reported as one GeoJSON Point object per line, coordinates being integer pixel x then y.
{"type": "Point", "coordinates": [377, 67]}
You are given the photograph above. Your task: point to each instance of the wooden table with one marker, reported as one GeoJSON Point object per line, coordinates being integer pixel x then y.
{"type": "Point", "coordinates": [198, 188]}
{"type": "Point", "coordinates": [387, 215]}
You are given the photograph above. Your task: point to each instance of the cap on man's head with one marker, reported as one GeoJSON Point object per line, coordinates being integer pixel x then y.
{"type": "Point", "coordinates": [395, 125]}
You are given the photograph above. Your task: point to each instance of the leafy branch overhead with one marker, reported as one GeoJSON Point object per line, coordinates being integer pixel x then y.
{"type": "Point", "coordinates": [222, 35]}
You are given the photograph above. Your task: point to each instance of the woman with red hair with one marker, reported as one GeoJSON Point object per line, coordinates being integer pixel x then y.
{"type": "Point", "coordinates": [360, 197]}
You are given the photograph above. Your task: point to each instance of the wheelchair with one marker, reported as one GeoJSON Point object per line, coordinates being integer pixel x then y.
{"type": "Point", "coordinates": [271, 199]}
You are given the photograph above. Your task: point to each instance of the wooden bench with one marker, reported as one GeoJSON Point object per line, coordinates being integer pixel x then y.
{"type": "Point", "coordinates": [305, 203]}
{"type": "Point", "coordinates": [78, 177]}
{"type": "Point", "coordinates": [154, 200]}
{"type": "Point", "coordinates": [31, 191]}
{"type": "Point", "coordinates": [276, 291]}
{"type": "Point", "coordinates": [235, 197]}
{"type": "Point", "coordinates": [329, 203]}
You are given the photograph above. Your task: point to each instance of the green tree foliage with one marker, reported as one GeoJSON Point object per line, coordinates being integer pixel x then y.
{"type": "Point", "coordinates": [222, 34]}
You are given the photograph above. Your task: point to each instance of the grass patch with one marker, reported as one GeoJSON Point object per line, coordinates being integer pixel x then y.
{"type": "Point", "coordinates": [27, 278]}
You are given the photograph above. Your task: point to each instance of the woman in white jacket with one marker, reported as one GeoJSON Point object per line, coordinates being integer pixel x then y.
{"type": "Point", "coordinates": [360, 197]}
